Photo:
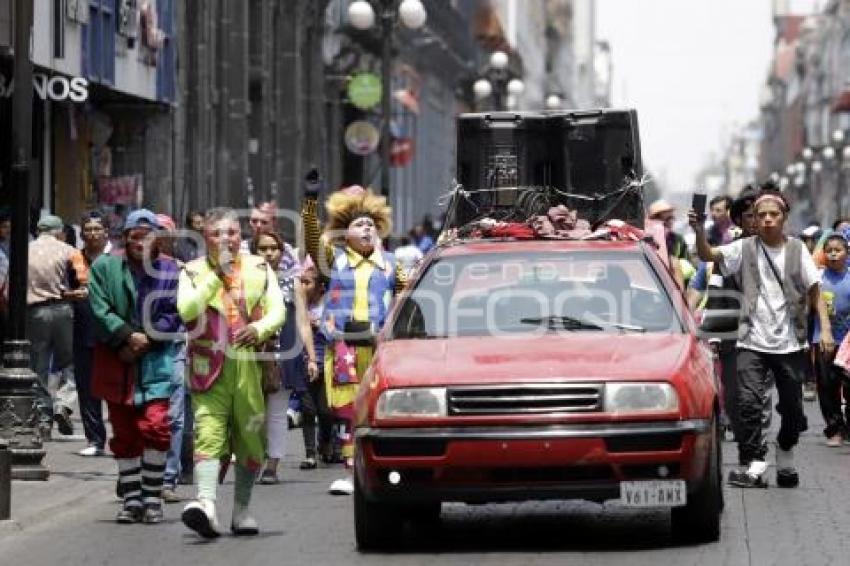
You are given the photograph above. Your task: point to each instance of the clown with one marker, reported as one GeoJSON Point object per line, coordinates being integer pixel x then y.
{"type": "Point", "coordinates": [231, 304]}
{"type": "Point", "coordinates": [361, 281]}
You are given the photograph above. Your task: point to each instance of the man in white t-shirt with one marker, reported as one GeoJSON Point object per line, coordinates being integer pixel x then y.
{"type": "Point", "coordinates": [779, 283]}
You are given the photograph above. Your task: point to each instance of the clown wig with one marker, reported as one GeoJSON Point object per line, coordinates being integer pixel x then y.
{"type": "Point", "coordinates": [351, 203]}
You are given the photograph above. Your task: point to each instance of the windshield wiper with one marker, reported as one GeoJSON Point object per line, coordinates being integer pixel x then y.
{"type": "Point", "coordinates": [573, 323]}
{"type": "Point", "coordinates": [567, 322]}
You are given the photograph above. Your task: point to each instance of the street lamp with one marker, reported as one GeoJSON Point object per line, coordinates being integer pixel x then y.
{"type": "Point", "coordinates": [553, 102]}
{"type": "Point", "coordinates": [361, 15]}
{"type": "Point", "coordinates": [18, 413]}
{"type": "Point", "coordinates": [499, 82]}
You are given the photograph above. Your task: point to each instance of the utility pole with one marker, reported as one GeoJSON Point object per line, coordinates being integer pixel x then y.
{"type": "Point", "coordinates": [19, 418]}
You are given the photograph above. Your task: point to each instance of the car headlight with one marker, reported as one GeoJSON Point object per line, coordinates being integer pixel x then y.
{"type": "Point", "coordinates": [414, 402]}
{"type": "Point", "coordinates": [640, 398]}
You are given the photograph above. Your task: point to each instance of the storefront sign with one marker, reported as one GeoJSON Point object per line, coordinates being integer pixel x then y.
{"type": "Point", "coordinates": [56, 88]}
{"type": "Point", "coordinates": [361, 137]}
{"type": "Point", "coordinates": [364, 90]}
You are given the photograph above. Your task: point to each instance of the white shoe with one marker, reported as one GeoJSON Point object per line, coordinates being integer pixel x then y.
{"type": "Point", "coordinates": [90, 451]}
{"type": "Point", "coordinates": [243, 524]}
{"type": "Point", "coordinates": [341, 487]}
{"type": "Point", "coordinates": [293, 418]}
{"type": "Point", "coordinates": [200, 517]}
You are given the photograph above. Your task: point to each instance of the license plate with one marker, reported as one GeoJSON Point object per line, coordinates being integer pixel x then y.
{"type": "Point", "coordinates": [658, 493]}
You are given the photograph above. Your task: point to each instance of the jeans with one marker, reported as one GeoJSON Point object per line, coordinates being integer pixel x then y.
{"type": "Point", "coordinates": [754, 369]}
{"type": "Point", "coordinates": [177, 420]}
{"type": "Point", "coordinates": [51, 332]}
{"type": "Point", "coordinates": [832, 381]}
{"type": "Point", "coordinates": [91, 409]}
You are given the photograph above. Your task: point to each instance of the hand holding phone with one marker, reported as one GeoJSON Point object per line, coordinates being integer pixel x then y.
{"type": "Point", "coordinates": [699, 203]}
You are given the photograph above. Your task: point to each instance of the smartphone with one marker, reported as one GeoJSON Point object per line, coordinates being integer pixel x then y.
{"type": "Point", "coordinates": [699, 203]}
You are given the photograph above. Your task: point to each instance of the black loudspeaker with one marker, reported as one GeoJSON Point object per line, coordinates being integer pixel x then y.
{"type": "Point", "coordinates": [582, 159]}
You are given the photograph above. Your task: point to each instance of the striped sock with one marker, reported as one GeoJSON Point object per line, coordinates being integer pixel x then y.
{"type": "Point", "coordinates": [130, 478]}
{"type": "Point", "coordinates": [153, 468]}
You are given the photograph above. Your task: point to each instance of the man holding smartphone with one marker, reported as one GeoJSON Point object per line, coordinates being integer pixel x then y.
{"type": "Point", "coordinates": [779, 283]}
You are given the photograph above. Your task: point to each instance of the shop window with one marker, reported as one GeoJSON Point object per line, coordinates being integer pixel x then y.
{"type": "Point", "coordinates": [99, 42]}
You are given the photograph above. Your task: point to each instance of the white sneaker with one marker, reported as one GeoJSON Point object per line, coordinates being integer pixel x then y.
{"type": "Point", "coordinates": [293, 418]}
{"type": "Point", "coordinates": [757, 468]}
{"type": "Point", "coordinates": [200, 517]}
{"type": "Point", "coordinates": [243, 524]}
{"type": "Point", "coordinates": [341, 487]}
{"type": "Point", "coordinates": [91, 451]}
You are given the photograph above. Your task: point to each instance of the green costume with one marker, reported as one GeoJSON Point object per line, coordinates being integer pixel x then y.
{"type": "Point", "coordinates": [226, 381]}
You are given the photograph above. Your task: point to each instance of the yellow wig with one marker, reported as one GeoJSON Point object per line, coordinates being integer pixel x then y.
{"type": "Point", "coordinates": [349, 204]}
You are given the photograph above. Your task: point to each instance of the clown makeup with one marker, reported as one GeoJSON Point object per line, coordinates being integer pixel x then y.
{"type": "Point", "coordinates": [361, 235]}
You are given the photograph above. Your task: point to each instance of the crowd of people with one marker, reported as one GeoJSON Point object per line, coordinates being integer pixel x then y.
{"type": "Point", "coordinates": [775, 308]}
{"type": "Point", "coordinates": [204, 344]}
{"type": "Point", "coordinates": [207, 346]}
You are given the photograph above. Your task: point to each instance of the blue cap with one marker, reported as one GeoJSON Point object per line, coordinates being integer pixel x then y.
{"type": "Point", "coordinates": [142, 218]}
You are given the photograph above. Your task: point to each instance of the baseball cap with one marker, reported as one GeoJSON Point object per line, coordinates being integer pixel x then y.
{"type": "Point", "coordinates": [812, 231]}
{"type": "Point", "coordinates": [166, 223]}
{"type": "Point", "coordinates": [142, 218]}
{"type": "Point", "coordinates": [50, 222]}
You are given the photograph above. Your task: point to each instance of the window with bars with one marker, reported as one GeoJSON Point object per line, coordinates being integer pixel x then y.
{"type": "Point", "coordinates": [99, 42]}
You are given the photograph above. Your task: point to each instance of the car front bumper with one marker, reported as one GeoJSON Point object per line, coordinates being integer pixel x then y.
{"type": "Point", "coordinates": [478, 464]}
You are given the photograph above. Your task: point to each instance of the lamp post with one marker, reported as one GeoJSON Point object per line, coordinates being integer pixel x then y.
{"type": "Point", "coordinates": [361, 15]}
{"type": "Point", "coordinates": [499, 82]}
{"type": "Point", "coordinates": [18, 413]}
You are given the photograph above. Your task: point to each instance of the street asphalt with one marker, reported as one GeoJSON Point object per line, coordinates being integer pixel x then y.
{"type": "Point", "coordinates": [68, 521]}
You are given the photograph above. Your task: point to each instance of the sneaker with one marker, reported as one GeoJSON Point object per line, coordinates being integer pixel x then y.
{"type": "Point", "coordinates": [243, 524]}
{"type": "Point", "coordinates": [341, 487]}
{"type": "Point", "coordinates": [268, 477]}
{"type": "Point", "coordinates": [787, 477]}
{"type": "Point", "coordinates": [91, 451]}
{"type": "Point", "coordinates": [834, 441]}
{"type": "Point", "coordinates": [308, 464]}
{"type": "Point", "coordinates": [131, 512]}
{"type": "Point", "coordinates": [153, 514]}
{"type": "Point", "coordinates": [169, 495]}
{"type": "Point", "coordinates": [293, 418]}
{"type": "Point", "coordinates": [200, 517]}
{"type": "Point", "coordinates": [740, 478]}
{"type": "Point", "coordinates": [63, 421]}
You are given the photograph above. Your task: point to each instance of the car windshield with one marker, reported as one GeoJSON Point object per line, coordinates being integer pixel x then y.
{"type": "Point", "coordinates": [508, 294]}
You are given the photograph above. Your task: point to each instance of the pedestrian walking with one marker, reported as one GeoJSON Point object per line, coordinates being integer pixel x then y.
{"type": "Point", "coordinates": [833, 382]}
{"type": "Point", "coordinates": [294, 339]}
{"type": "Point", "coordinates": [316, 429]}
{"type": "Point", "coordinates": [94, 235]}
{"type": "Point", "coordinates": [779, 281]}
{"type": "Point", "coordinates": [166, 242]}
{"type": "Point", "coordinates": [362, 279]}
{"type": "Point", "coordinates": [230, 305]}
{"type": "Point", "coordinates": [50, 316]}
{"type": "Point", "coordinates": [133, 299]}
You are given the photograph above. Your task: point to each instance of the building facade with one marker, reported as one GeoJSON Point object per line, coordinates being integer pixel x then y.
{"type": "Point", "coordinates": [104, 87]}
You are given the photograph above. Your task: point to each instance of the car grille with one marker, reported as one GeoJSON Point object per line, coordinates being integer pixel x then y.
{"type": "Point", "coordinates": [532, 399]}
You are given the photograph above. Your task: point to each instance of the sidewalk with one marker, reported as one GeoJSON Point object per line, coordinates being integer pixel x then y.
{"type": "Point", "coordinates": [73, 479]}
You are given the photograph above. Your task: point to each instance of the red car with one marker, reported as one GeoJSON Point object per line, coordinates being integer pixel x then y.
{"type": "Point", "coordinates": [520, 370]}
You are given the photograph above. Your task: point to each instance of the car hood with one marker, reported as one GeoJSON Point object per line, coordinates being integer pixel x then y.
{"type": "Point", "coordinates": [580, 356]}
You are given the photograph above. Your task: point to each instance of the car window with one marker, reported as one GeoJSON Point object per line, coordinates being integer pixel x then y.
{"type": "Point", "coordinates": [498, 294]}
